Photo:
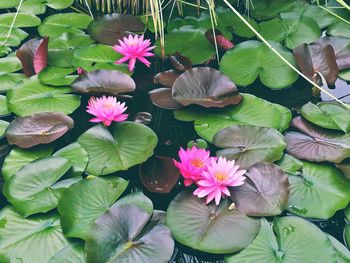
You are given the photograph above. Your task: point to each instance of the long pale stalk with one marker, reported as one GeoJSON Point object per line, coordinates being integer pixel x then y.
{"type": "Point", "coordinates": [12, 24]}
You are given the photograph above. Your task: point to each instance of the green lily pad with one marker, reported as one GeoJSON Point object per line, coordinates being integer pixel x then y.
{"type": "Point", "coordinates": [344, 74]}
{"type": "Point", "coordinates": [291, 239]}
{"type": "Point", "coordinates": [123, 235]}
{"type": "Point", "coordinates": [129, 144]}
{"type": "Point", "coordinates": [55, 76]}
{"type": "Point", "coordinates": [252, 59]}
{"type": "Point", "coordinates": [32, 189]}
{"type": "Point", "coordinates": [290, 28]}
{"type": "Point", "coordinates": [22, 20]}
{"type": "Point", "coordinates": [330, 115]}
{"type": "Point", "coordinates": [251, 111]}
{"type": "Point", "coordinates": [339, 29]}
{"type": "Point", "coordinates": [248, 144]}
{"type": "Point", "coordinates": [342, 253]}
{"type": "Point", "coordinates": [290, 164]}
{"type": "Point", "coordinates": [31, 96]}
{"type": "Point", "coordinates": [10, 64]}
{"type": "Point", "coordinates": [3, 126]}
{"type": "Point", "coordinates": [209, 228]}
{"type": "Point", "coordinates": [266, 9]}
{"type": "Point", "coordinates": [187, 40]}
{"type": "Point", "coordinates": [56, 25]}
{"type": "Point", "coordinates": [77, 156]}
{"type": "Point", "coordinates": [82, 203]}
{"type": "Point", "coordinates": [16, 36]}
{"type": "Point", "coordinates": [31, 240]}
{"type": "Point", "coordinates": [4, 51]}
{"type": "Point", "coordinates": [39, 6]}
{"type": "Point", "coordinates": [9, 80]}
{"type": "Point", "coordinates": [9, 3]}
{"type": "Point", "coordinates": [318, 191]}
{"type": "Point", "coordinates": [137, 199]}
{"type": "Point", "coordinates": [18, 158]}
{"type": "Point", "coordinates": [40, 128]}
{"type": "Point", "coordinates": [264, 193]}
{"type": "Point", "coordinates": [73, 253]}
{"type": "Point", "coordinates": [3, 106]}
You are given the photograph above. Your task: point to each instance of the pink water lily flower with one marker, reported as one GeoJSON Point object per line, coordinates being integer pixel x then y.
{"type": "Point", "coordinates": [192, 163]}
{"type": "Point", "coordinates": [106, 110]}
{"type": "Point", "coordinates": [134, 48]}
{"type": "Point", "coordinates": [220, 175]}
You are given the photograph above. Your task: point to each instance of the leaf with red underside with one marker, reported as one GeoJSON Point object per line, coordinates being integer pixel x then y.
{"type": "Point", "coordinates": [162, 98]}
{"type": "Point", "coordinates": [317, 58]}
{"type": "Point", "coordinates": [166, 78]}
{"type": "Point", "coordinates": [317, 144]}
{"type": "Point", "coordinates": [180, 63]}
{"type": "Point", "coordinates": [33, 55]}
{"type": "Point", "coordinates": [222, 42]}
{"type": "Point", "coordinates": [159, 174]}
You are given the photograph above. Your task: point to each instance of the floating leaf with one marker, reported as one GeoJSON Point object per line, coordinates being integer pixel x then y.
{"type": "Point", "coordinates": [290, 165]}
{"type": "Point", "coordinates": [330, 115]}
{"type": "Point", "coordinates": [342, 253]}
{"type": "Point", "coordinates": [166, 78]}
{"type": "Point", "coordinates": [39, 6]}
{"type": "Point", "coordinates": [264, 193]}
{"type": "Point", "coordinates": [129, 144]}
{"type": "Point", "coordinates": [55, 76]}
{"type": "Point", "coordinates": [252, 59]}
{"type": "Point", "coordinates": [22, 20]}
{"type": "Point", "coordinates": [32, 189]}
{"type": "Point", "coordinates": [10, 64]}
{"type": "Point", "coordinates": [82, 203]}
{"type": "Point", "coordinates": [3, 106]}
{"type": "Point", "coordinates": [109, 28]}
{"type": "Point", "coordinates": [159, 174]}
{"type": "Point", "coordinates": [14, 38]}
{"type": "Point", "coordinates": [33, 56]}
{"type": "Point", "coordinates": [317, 144]}
{"type": "Point", "coordinates": [341, 29]}
{"type": "Point", "coordinates": [111, 82]}
{"type": "Point", "coordinates": [180, 63]}
{"type": "Point", "coordinates": [206, 87]}
{"type": "Point", "coordinates": [138, 199]}
{"type": "Point", "coordinates": [163, 98]}
{"type": "Point", "coordinates": [249, 144]}
{"type": "Point", "coordinates": [3, 126]}
{"type": "Point", "coordinates": [266, 9]}
{"type": "Point", "coordinates": [122, 234]}
{"type": "Point", "coordinates": [9, 3]}
{"type": "Point", "coordinates": [40, 128]}
{"type": "Point", "coordinates": [209, 228]}
{"type": "Point", "coordinates": [9, 80]}
{"type": "Point", "coordinates": [318, 191]}
{"type": "Point", "coordinates": [31, 96]}
{"type": "Point", "coordinates": [345, 168]}
{"type": "Point", "coordinates": [35, 239]}
{"type": "Point", "coordinates": [291, 239]}
{"type": "Point", "coordinates": [74, 253]}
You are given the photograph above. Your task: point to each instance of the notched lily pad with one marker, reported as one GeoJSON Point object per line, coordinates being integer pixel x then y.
{"type": "Point", "coordinates": [163, 98]}
{"type": "Point", "coordinates": [33, 55]}
{"type": "Point", "coordinates": [180, 63]}
{"type": "Point", "coordinates": [166, 78]}
{"type": "Point", "coordinates": [109, 28]}
{"type": "Point", "coordinates": [341, 46]}
{"type": "Point", "coordinates": [264, 193]}
{"type": "Point", "coordinates": [317, 144]}
{"type": "Point", "coordinates": [206, 87]}
{"type": "Point", "coordinates": [159, 174]}
{"type": "Point", "coordinates": [248, 144]}
{"type": "Point", "coordinates": [40, 128]}
{"type": "Point", "coordinates": [111, 82]}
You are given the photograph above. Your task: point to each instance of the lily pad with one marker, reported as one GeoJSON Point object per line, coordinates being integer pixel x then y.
{"type": "Point", "coordinates": [340, 28]}
{"type": "Point", "coordinates": [9, 80]}
{"type": "Point", "coordinates": [39, 6]}
{"type": "Point", "coordinates": [159, 174]}
{"type": "Point", "coordinates": [56, 25]}
{"type": "Point", "coordinates": [129, 144]}
{"type": "Point", "coordinates": [40, 128]}
{"type": "Point", "coordinates": [345, 168]}
{"type": "Point", "coordinates": [252, 59]}
{"type": "Point", "coordinates": [38, 178]}
{"type": "Point", "coordinates": [32, 240]}
{"type": "Point", "coordinates": [290, 164]}
{"type": "Point", "coordinates": [3, 126]}
{"type": "Point", "coordinates": [3, 106]}
{"type": "Point", "coordinates": [137, 199]}
{"type": "Point", "coordinates": [248, 144]}
{"type": "Point", "coordinates": [15, 37]}
{"type": "Point", "coordinates": [55, 76]}
{"type": "Point", "coordinates": [180, 63]}
{"type": "Point", "coordinates": [264, 193]}
{"type": "Point", "coordinates": [73, 253]}
{"type": "Point", "coordinates": [187, 40]}
{"type": "Point", "coordinates": [123, 235]}
{"type": "Point", "coordinates": [209, 228]}
{"type": "Point", "coordinates": [330, 115]}
{"type": "Point", "coordinates": [342, 253]}
{"type": "Point", "coordinates": [166, 78]}
{"type": "Point", "coordinates": [31, 96]}
{"type": "Point", "coordinates": [341, 47]}
{"type": "Point", "coordinates": [319, 191]}
{"type": "Point", "coordinates": [109, 28]}
{"type": "Point", "coordinates": [9, 3]}
{"type": "Point", "coordinates": [291, 239]}
{"type": "Point", "coordinates": [111, 82]}
{"type": "Point", "coordinates": [317, 144]}
{"type": "Point", "coordinates": [290, 28]}
{"type": "Point", "coordinates": [344, 74]}
{"type": "Point", "coordinates": [82, 203]}
{"type": "Point", "coordinates": [10, 64]}
{"type": "Point", "coordinates": [22, 20]}
{"type": "Point", "coordinates": [266, 9]}
{"type": "Point", "coordinates": [206, 87]}
{"type": "Point", "coordinates": [18, 158]}
{"type": "Point", "coordinates": [33, 56]}
{"type": "Point", "coordinates": [163, 98]}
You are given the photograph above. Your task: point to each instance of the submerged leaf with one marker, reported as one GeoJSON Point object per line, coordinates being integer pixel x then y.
{"type": "Point", "coordinates": [166, 78]}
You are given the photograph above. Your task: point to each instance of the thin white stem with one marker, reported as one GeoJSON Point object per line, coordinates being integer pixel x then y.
{"type": "Point", "coordinates": [88, 7]}
{"type": "Point", "coordinates": [12, 24]}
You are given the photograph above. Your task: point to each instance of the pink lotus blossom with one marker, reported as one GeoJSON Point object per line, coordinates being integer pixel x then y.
{"type": "Point", "coordinates": [192, 163]}
{"type": "Point", "coordinates": [220, 174]}
{"type": "Point", "coordinates": [106, 110]}
{"type": "Point", "coordinates": [134, 48]}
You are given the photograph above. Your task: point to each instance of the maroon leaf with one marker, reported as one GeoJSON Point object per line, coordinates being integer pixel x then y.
{"type": "Point", "coordinates": [33, 55]}
{"type": "Point", "coordinates": [166, 78]}
{"type": "Point", "coordinates": [222, 42]}
{"type": "Point", "coordinates": [159, 174]}
{"type": "Point", "coordinates": [162, 98]}
{"type": "Point", "coordinates": [180, 63]}
{"type": "Point", "coordinates": [341, 46]}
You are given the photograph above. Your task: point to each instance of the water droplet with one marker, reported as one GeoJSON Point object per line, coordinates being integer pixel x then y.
{"type": "Point", "coordinates": [279, 254]}
{"type": "Point", "coordinates": [288, 230]}
{"type": "Point", "coordinates": [297, 210]}
{"type": "Point", "coordinates": [143, 117]}
{"type": "Point", "coordinates": [168, 142]}
{"type": "Point", "coordinates": [232, 206]}
{"type": "Point", "coordinates": [212, 216]}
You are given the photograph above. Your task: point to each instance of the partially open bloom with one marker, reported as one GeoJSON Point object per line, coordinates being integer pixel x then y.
{"type": "Point", "coordinates": [134, 48]}
{"type": "Point", "coordinates": [106, 110]}
{"type": "Point", "coordinates": [220, 174]}
{"type": "Point", "coordinates": [192, 163]}
{"type": "Point", "coordinates": [81, 71]}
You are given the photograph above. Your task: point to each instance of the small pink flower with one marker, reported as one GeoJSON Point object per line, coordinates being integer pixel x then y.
{"type": "Point", "coordinates": [81, 71]}
{"type": "Point", "coordinates": [192, 163]}
{"type": "Point", "coordinates": [220, 174]}
{"type": "Point", "coordinates": [106, 110]}
{"type": "Point", "coordinates": [134, 48]}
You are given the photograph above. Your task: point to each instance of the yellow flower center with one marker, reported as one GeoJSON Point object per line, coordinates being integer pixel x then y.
{"type": "Point", "coordinates": [107, 105]}
{"type": "Point", "coordinates": [197, 162]}
{"type": "Point", "coordinates": [220, 176]}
